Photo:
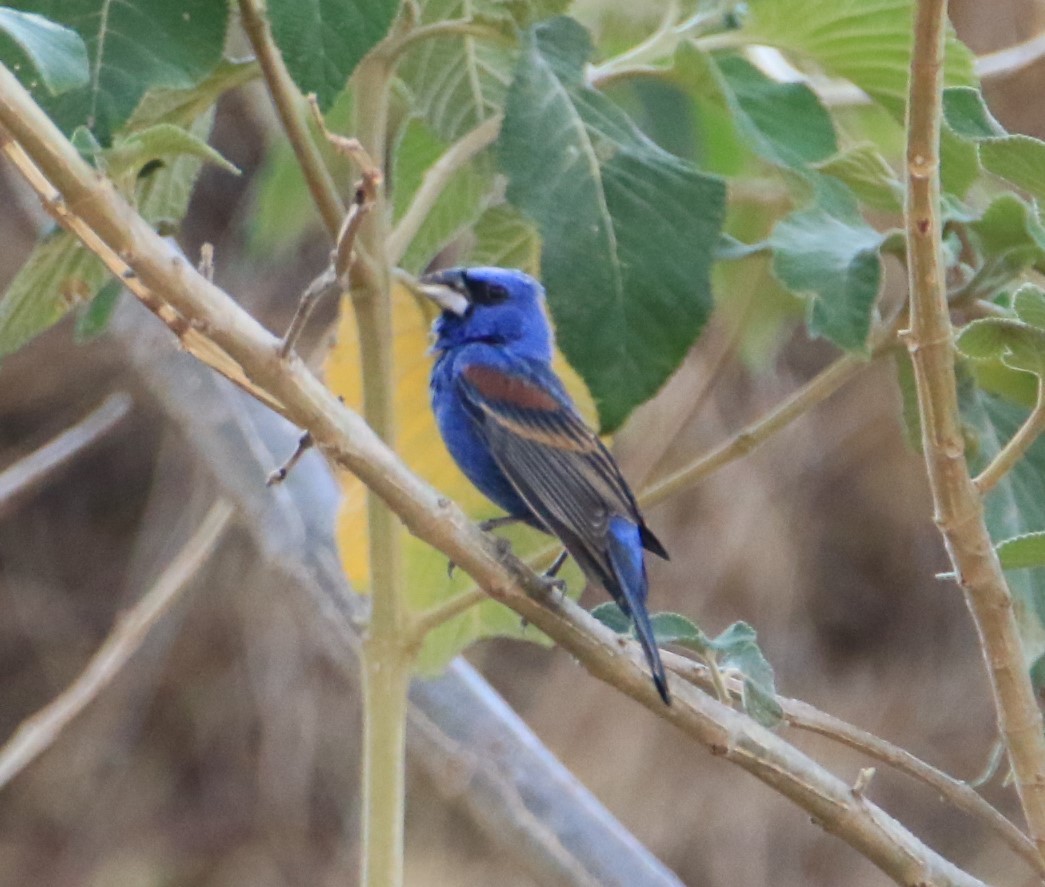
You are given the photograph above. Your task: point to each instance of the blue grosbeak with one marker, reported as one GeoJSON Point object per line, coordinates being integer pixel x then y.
{"type": "Point", "coordinates": [513, 430]}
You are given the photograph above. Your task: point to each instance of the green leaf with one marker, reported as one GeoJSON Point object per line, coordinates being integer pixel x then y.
{"type": "Point", "coordinates": [612, 616]}
{"type": "Point", "coordinates": [322, 41]}
{"type": "Point", "coordinates": [460, 80]}
{"type": "Point", "coordinates": [867, 42]}
{"type": "Point", "coordinates": [967, 114]}
{"type": "Point", "coordinates": [1019, 159]}
{"type": "Point", "coordinates": [94, 319]}
{"type": "Point", "coordinates": [627, 267]}
{"type": "Point", "coordinates": [1011, 239]}
{"type": "Point", "coordinates": [130, 154]}
{"type": "Point", "coordinates": [504, 238]}
{"type": "Point", "coordinates": [459, 206]}
{"type": "Point", "coordinates": [866, 173]}
{"type": "Point", "coordinates": [1017, 345]}
{"type": "Point", "coordinates": [132, 46]}
{"type": "Point", "coordinates": [182, 106]}
{"type": "Point", "coordinates": [1029, 304]}
{"type": "Point", "coordinates": [59, 274]}
{"type": "Point", "coordinates": [784, 122]}
{"type": "Point", "coordinates": [829, 253]}
{"type": "Point", "coordinates": [1022, 552]}
{"type": "Point", "coordinates": [162, 197]}
{"type": "Point", "coordinates": [736, 648]}
{"type": "Point", "coordinates": [912, 417]}
{"type": "Point", "coordinates": [56, 54]}
{"type": "Point", "coordinates": [1016, 506]}
{"type": "Point", "coordinates": [790, 124]}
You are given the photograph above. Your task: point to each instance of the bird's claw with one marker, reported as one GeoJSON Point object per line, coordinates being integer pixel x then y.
{"type": "Point", "coordinates": [552, 584]}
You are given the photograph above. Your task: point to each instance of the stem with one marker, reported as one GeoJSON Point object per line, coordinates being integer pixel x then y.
{"type": "Point", "coordinates": [287, 101]}
{"type": "Point", "coordinates": [803, 716]}
{"type": "Point", "coordinates": [1013, 451]}
{"type": "Point", "coordinates": [449, 28]}
{"type": "Point", "coordinates": [957, 503]}
{"type": "Point", "coordinates": [387, 657]}
{"type": "Point", "coordinates": [817, 389]}
{"type": "Point", "coordinates": [435, 180]}
{"type": "Point", "coordinates": [386, 681]}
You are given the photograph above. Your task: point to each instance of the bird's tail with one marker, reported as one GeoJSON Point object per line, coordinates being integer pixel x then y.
{"type": "Point", "coordinates": [629, 573]}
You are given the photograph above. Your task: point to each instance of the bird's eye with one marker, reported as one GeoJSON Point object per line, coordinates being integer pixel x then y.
{"type": "Point", "coordinates": [486, 293]}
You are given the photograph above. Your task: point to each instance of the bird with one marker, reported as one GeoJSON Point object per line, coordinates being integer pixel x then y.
{"type": "Point", "coordinates": [515, 433]}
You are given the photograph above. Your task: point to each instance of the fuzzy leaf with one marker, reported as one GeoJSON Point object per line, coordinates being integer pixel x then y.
{"type": "Point", "coordinates": [866, 173]}
{"type": "Point", "coordinates": [322, 41]}
{"type": "Point", "coordinates": [58, 275]}
{"type": "Point", "coordinates": [1016, 506]}
{"type": "Point", "coordinates": [133, 46]}
{"type": "Point", "coordinates": [1022, 552]}
{"type": "Point", "coordinates": [55, 54]}
{"type": "Point", "coordinates": [459, 206]}
{"type": "Point", "coordinates": [829, 253]}
{"type": "Point", "coordinates": [627, 268]}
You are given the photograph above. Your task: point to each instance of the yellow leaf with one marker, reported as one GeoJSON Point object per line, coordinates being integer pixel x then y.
{"type": "Point", "coordinates": [421, 447]}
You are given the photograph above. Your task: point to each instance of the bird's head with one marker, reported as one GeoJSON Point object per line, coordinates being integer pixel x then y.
{"type": "Point", "coordinates": [500, 306]}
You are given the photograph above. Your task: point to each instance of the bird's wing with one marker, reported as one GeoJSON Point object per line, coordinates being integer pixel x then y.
{"type": "Point", "coordinates": [555, 462]}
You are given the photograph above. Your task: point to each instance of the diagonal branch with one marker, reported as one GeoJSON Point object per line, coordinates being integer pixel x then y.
{"type": "Point", "coordinates": [29, 472]}
{"type": "Point", "coordinates": [957, 503]}
{"type": "Point", "coordinates": [353, 445]}
{"type": "Point", "coordinates": [37, 733]}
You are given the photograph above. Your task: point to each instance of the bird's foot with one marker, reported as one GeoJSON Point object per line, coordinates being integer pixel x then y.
{"type": "Point", "coordinates": [552, 584]}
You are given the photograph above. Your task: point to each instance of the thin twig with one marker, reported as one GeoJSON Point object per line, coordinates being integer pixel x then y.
{"type": "Point", "coordinates": [816, 390]}
{"type": "Point", "coordinates": [803, 716]}
{"type": "Point", "coordinates": [434, 30]}
{"type": "Point", "coordinates": [38, 732]}
{"type": "Point", "coordinates": [1017, 446]}
{"type": "Point", "coordinates": [957, 503]}
{"type": "Point", "coordinates": [353, 445]}
{"type": "Point", "coordinates": [435, 180]}
{"type": "Point", "coordinates": [325, 284]}
{"type": "Point", "coordinates": [288, 101]}
{"type": "Point", "coordinates": [277, 476]}
{"type": "Point", "coordinates": [29, 472]}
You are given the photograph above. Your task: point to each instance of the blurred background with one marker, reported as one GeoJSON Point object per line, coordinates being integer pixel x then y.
{"type": "Point", "coordinates": [226, 753]}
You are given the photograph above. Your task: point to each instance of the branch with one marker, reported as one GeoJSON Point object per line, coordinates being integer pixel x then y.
{"type": "Point", "coordinates": [1014, 450]}
{"type": "Point", "coordinates": [435, 180]}
{"type": "Point", "coordinates": [31, 471]}
{"type": "Point", "coordinates": [816, 390]}
{"type": "Point", "coordinates": [957, 503]}
{"type": "Point", "coordinates": [38, 732]}
{"type": "Point", "coordinates": [354, 446]}
{"type": "Point", "coordinates": [803, 716]}
{"type": "Point", "coordinates": [287, 100]}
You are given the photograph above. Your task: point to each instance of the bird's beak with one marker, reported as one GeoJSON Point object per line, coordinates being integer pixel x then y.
{"type": "Point", "coordinates": [444, 288]}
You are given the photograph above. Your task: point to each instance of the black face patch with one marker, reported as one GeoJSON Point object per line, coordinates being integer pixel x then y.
{"type": "Point", "coordinates": [484, 292]}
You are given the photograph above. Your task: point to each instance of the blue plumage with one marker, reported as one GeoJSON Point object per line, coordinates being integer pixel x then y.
{"type": "Point", "coordinates": [512, 428]}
